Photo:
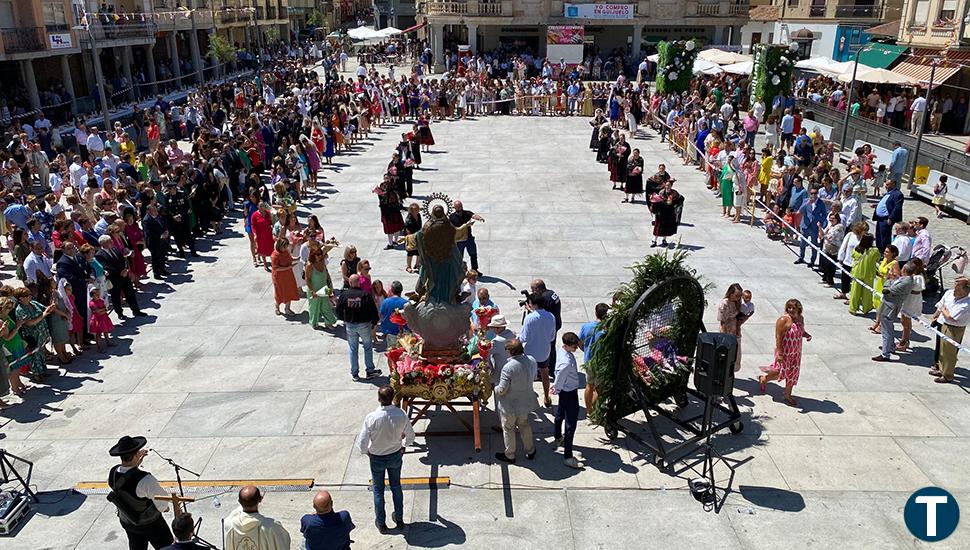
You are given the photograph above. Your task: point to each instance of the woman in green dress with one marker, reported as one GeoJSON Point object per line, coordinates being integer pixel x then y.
{"type": "Point", "coordinates": [33, 330]}
{"type": "Point", "coordinates": [318, 277]}
{"type": "Point", "coordinates": [886, 269]}
{"type": "Point", "coordinates": [59, 325]}
{"type": "Point", "coordinates": [727, 187]}
{"type": "Point", "coordinates": [865, 257]}
{"type": "Point", "coordinates": [13, 345]}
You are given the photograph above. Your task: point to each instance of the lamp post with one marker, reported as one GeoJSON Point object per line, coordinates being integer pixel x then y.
{"type": "Point", "coordinates": [848, 103]}
{"type": "Point", "coordinates": [919, 131]}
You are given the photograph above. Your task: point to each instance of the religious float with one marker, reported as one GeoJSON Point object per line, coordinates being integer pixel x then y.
{"type": "Point", "coordinates": [439, 360]}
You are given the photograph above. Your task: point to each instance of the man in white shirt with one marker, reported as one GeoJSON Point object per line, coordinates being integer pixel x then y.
{"type": "Point", "coordinates": [903, 242]}
{"type": "Point", "coordinates": [954, 309]}
{"type": "Point", "coordinates": [380, 439]}
{"type": "Point", "coordinates": [79, 176]}
{"type": "Point", "coordinates": [361, 71]}
{"type": "Point", "coordinates": [95, 144]}
{"type": "Point", "coordinates": [919, 108]}
{"type": "Point", "coordinates": [566, 387]}
{"type": "Point", "coordinates": [37, 264]}
{"type": "Point", "coordinates": [890, 109]}
{"type": "Point", "coordinates": [923, 245]}
{"type": "Point", "coordinates": [42, 122]}
{"type": "Point", "coordinates": [134, 492]}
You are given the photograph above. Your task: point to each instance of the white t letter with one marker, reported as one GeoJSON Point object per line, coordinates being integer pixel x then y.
{"type": "Point", "coordinates": [931, 503]}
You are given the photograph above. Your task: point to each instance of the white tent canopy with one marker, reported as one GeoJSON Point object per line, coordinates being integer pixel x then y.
{"type": "Point", "coordinates": [873, 75]}
{"type": "Point", "coordinates": [364, 33]}
{"type": "Point", "coordinates": [389, 31]}
{"type": "Point", "coordinates": [722, 57]}
{"type": "Point", "coordinates": [744, 67]}
{"type": "Point", "coordinates": [826, 65]}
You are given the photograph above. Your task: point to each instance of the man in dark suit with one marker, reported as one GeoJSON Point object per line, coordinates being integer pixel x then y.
{"type": "Point", "coordinates": [74, 268]}
{"type": "Point", "coordinates": [156, 238]}
{"type": "Point", "coordinates": [813, 217]}
{"type": "Point", "coordinates": [183, 527]}
{"type": "Point", "coordinates": [888, 213]}
{"type": "Point", "coordinates": [116, 270]}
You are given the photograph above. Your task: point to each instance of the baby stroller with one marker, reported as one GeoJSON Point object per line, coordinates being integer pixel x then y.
{"type": "Point", "coordinates": [942, 255]}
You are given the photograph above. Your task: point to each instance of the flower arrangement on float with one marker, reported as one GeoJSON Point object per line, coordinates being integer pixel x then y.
{"type": "Point", "coordinates": [438, 381]}
{"type": "Point", "coordinates": [675, 65]}
{"type": "Point", "coordinates": [771, 74]}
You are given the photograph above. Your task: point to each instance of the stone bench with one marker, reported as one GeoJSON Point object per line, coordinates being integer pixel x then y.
{"type": "Point", "coordinates": [958, 191]}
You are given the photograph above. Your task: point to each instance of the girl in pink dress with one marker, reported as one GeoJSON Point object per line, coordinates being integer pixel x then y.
{"type": "Point", "coordinates": [100, 324]}
{"type": "Point", "coordinates": [789, 331]}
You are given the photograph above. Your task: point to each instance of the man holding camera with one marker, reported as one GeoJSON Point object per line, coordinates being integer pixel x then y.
{"type": "Point", "coordinates": [550, 303]}
{"type": "Point", "coordinates": [538, 330]}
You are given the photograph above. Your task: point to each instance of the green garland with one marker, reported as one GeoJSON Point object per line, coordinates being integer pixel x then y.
{"type": "Point", "coordinates": [675, 65]}
{"type": "Point", "coordinates": [772, 71]}
{"type": "Point", "coordinates": [610, 357]}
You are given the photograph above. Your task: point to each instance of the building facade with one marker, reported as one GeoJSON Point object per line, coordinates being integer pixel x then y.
{"type": "Point", "coordinates": [835, 29]}
{"type": "Point", "coordinates": [487, 24]}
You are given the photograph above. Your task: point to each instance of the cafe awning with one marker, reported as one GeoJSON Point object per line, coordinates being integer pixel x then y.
{"type": "Point", "coordinates": [881, 56]}
{"type": "Point", "coordinates": [920, 64]}
{"type": "Point", "coordinates": [415, 27]}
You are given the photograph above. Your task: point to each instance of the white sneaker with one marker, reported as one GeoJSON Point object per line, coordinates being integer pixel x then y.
{"type": "Point", "coordinates": [573, 463]}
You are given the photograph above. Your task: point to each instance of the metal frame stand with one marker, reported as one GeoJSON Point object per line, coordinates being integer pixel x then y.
{"type": "Point", "coordinates": [178, 479]}
{"type": "Point", "coordinates": [666, 454]}
{"type": "Point", "coordinates": [7, 468]}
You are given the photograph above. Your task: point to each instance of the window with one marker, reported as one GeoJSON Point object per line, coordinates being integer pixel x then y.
{"type": "Point", "coordinates": [948, 10]}
{"type": "Point", "coordinates": [921, 13]}
{"type": "Point", "coordinates": [54, 17]}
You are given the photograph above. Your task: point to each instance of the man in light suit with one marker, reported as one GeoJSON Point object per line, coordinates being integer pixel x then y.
{"type": "Point", "coordinates": [515, 399]}
{"type": "Point", "coordinates": [894, 294]}
{"type": "Point", "coordinates": [889, 212]}
{"type": "Point", "coordinates": [813, 216]}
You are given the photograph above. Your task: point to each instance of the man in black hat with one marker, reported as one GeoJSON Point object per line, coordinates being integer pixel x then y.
{"type": "Point", "coordinates": [132, 492]}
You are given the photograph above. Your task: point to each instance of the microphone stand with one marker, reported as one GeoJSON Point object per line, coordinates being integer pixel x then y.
{"type": "Point", "coordinates": [178, 479]}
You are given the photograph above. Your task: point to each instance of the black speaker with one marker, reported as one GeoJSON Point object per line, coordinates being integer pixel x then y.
{"type": "Point", "coordinates": [716, 355]}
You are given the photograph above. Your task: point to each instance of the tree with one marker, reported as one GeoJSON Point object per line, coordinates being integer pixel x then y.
{"type": "Point", "coordinates": [272, 34]}
{"type": "Point", "coordinates": [222, 50]}
{"type": "Point", "coordinates": [315, 19]}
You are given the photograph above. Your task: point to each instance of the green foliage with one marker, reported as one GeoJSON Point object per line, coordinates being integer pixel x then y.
{"type": "Point", "coordinates": [272, 33]}
{"type": "Point", "coordinates": [315, 19]}
{"type": "Point", "coordinates": [610, 362]}
{"type": "Point", "coordinates": [770, 61]}
{"type": "Point", "coordinates": [675, 65]}
{"type": "Point", "coordinates": [221, 48]}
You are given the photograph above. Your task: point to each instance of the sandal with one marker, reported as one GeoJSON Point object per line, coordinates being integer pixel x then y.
{"type": "Point", "coordinates": [763, 383]}
{"type": "Point", "coordinates": [791, 401]}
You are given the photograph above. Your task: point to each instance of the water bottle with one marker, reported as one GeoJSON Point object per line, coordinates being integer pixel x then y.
{"type": "Point", "coordinates": [746, 510]}
{"type": "Point", "coordinates": [216, 503]}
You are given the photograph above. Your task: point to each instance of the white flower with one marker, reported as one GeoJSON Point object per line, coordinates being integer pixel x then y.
{"type": "Point", "coordinates": [793, 46]}
{"type": "Point", "coordinates": [689, 46]}
{"type": "Point", "coordinates": [673, 75]}
{"type": "Point", "coordinates": [677, 60]}
{"type": "Point", "coordinates": [775, 80]}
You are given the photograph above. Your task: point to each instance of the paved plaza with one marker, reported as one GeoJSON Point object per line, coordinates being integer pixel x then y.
{"type": "Point", "coordinates": [218, 382]}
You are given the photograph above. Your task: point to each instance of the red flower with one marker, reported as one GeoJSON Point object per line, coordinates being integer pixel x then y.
{"type": "Point", "coordinates": [397, 318]}
{"type": "Point", "coordinates": [484, 348]}
{"type": "Point", "coordinates": [394, 355]}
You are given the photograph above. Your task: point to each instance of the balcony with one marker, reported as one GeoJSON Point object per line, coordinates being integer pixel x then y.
{"type": "Point", "coordinates": [817, 11]}
{"type": "Point", "coordinates": [447, 8]}
{"type": "Point", "coordinates": [858, 12]}
{"type": "Point", "coordinates": [104, 31]}
{"type": "Point", "coordinates": [22, 40]}
{"type": "Point", "coordinates": [706, 9]}
{"type": "Point", "coordinates": [741, 8]}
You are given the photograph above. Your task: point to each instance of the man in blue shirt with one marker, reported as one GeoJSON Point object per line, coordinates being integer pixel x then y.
{"type": "Point", "coordinates": [813, 216]}
{"type": "Point", "coordinates": [17, 213]}
{"type": "Point", "coordinates": [589, 334]}
{"type": "Point", "coordinates": [390, 304]}
{"type": "Point", "coordinates": [326, 529]}
{"type": "Point", "coordinates": [897, 163]}
{"type": "Point", "coordinates": [787, 129]}
{"type": "Point", "coordinates": [567, 388]}
{"type": "Point", "coordinates": [538, 329]}
{"type": "Point", "coordinates": [798, 194]}
{"type": "Point", "coordinates": [889, 212]}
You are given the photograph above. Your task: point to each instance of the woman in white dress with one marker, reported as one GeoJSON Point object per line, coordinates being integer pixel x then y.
{"type": "Point", "coordinates": [631, 121]}
{"type": "Point", "coordinates": [913, 306]}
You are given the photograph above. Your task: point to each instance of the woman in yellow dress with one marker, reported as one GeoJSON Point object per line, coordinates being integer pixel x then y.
{"type": "Point", "coordinates": [888, 269]}
{"type": "Point", "coordinates": [587, 101]}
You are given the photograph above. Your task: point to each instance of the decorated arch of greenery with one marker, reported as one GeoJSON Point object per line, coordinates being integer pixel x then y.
{"type": "Point", "coordinates": [675, 65]}
{"type": "Point", "coordinates": [772, 71]}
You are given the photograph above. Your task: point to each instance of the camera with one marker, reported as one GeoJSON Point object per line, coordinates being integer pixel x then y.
{"type": "Point", "coordinates": [526, 294]}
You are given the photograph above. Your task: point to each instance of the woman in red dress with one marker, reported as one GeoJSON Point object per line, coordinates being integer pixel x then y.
{"type": "Point", "coordinates": [262, 226]}
{"type": "Point", "coordinates": [423, 129]}
{"type": "Point", "coordinates": [284, 281]}
{"type": "Point", "coordinates": [136, 238]}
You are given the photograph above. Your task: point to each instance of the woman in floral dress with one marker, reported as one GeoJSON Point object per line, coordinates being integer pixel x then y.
{"type": "Point", "coordinates": [789, 331]}
{"type": "Point", "coordinates": [33, 330]}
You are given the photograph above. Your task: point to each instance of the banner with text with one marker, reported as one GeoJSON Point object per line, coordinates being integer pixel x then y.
{"type": "Point", "coordinates": [598, 11]}
{"type": "Point", "coordinates": [565, 34]}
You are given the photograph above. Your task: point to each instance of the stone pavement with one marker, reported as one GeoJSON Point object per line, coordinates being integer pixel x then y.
{"type": "Point", "coordinates": [218, 382]}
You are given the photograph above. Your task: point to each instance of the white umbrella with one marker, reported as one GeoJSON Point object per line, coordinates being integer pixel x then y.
{"type": "Point", "coordinates": [389, 31]}
{"type": "Point", "coordinates": [705, 67]}
{"type": "Point", "coordinates": [364, 33]}
{"type": "Point", "coordinates": [653, 58]}
{"type": "Point", "coordinates": [743, 67]}
{"type": "Point", "coordinates": [873, 75]}
{"type": "Point", "coordinates": [722, 57]}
